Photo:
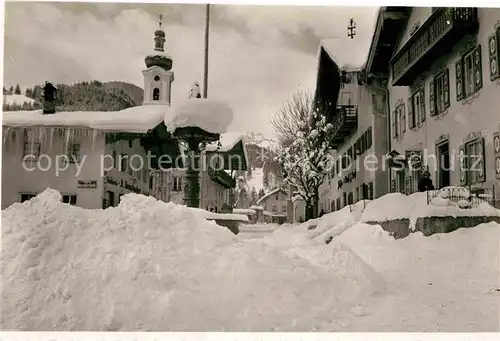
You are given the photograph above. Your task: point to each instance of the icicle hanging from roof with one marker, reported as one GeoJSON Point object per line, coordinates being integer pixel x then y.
{"type": "Point", "coordinates": [5, 132]}
{"type": "Point", "coordinates": [68, 135]}
{"type": "Point", "coordinates": [51, 137]}
{"type": "Point", "coordinates": [95, 133]}
{"type": "Point", "coordinates": [41, 135]}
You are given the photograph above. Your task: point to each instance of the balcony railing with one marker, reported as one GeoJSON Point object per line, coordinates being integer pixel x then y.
{"type": "Point", "coordinates": [221, 177]}
{"type": "Point", "coordinates": [437, 35]}
{"type": "Point", "coordinates": [344, 123]}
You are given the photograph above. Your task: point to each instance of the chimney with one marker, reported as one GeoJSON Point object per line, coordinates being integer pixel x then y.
{"type": "Point", "coordinates": [49, 98]}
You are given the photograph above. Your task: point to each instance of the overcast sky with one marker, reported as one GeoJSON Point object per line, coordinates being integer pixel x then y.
{"type": "Point", "coordinates": [259, 56]}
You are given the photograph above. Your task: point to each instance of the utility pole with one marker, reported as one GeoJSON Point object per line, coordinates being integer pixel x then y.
{"type": "Point", "coordinates": [205, 71]}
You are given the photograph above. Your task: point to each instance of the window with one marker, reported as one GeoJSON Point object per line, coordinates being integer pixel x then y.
{"type": "Point", "coordinates": [338, 204]}
{"type": "Point", "coordinates": [345, 198]}
{"type": "Point", "coordinates": [469, 75]}
{"type": "Point", "coordinates": [277, 197]}
{"type": "Point", "coordinates": [332, 206]}
{"type": "Point", "coordinates": [27, 196]}
{"type": "Point", "coordinates": [472, 165]}
{"type": "Point", "coordinates": [283, 208]}
{"type": "Point", "coordinates": [115, 163]}
{"type": "Point", "coordinates": [123, 162]}
{"type": "Point", "coordinates": [274, 208]}
{"type": "Point", "coordinates": [439, 92]}
{"type": "Point", "coordinates": [156, 94]}
{"type": "Point", "coordinates": [31, 149]}
{"type": "Point", "coordinates": [350, 199]}
{"type": "Point", "coordinates": [357, 194]}
{"type": "Point", "coordinates": [399, 121]}
{"type": "Point", "coordinates": [494, 54]}
{"type": "Point", "coordinates": [416, 108]}
{"type": "Point", "coordinates": [345, 98]}
{"type": "Point", "coordinates": [177, 184]}
{"type": "Point", "coordinates": [73, 153]}
{"type": "Point", "coordinates": [69, 199]}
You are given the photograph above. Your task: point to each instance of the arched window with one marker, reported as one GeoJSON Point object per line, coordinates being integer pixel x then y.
{"type": "Point", "coordinates": [156, 94]}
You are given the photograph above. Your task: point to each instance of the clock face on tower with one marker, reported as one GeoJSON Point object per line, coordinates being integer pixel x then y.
{"type": "Point", "coordinates": [156, 78]}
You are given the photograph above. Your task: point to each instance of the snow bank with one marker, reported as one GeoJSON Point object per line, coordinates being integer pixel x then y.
{"type": "Point", "coordinates": [67, 268]}
{"type": "Point", "coordinates": [147, 265]}
{"type": "Point", "coordinates": [400, 206]}
{"type": "Point", "coordinates": [137, 119]}
{"type": "Point", "coordinates": [213, 216]}
{"type": "Point", "coordinates": [209, 115]}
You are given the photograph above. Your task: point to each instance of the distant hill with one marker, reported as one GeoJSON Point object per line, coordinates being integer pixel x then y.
{"type": "Point", "coordinates": [84, 96]}
{"type": "Point", "coordinates": [135, 92]}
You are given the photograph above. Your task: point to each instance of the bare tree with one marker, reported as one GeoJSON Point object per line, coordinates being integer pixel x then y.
{"type": "Point", "coordinates": [287, 120]}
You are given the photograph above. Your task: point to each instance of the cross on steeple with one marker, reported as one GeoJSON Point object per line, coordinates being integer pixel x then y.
{"type": "Point", "coordinates": [351, 29]}
{"type": "Point", "coordinates": [160, 18]}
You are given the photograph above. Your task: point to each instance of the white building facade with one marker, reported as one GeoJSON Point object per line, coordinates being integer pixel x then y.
{"type": "Point", "coordinates": [444, 87]}
{"type": "Point", "coordinates": [360, 138]}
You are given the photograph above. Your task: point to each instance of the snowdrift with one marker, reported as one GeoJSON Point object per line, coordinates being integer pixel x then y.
{"type": "Point", "coordinates": [400, 206]}
{"type": "Point", "coordinates": [153, 266]}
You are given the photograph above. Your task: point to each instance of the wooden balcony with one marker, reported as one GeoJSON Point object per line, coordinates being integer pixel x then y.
{"type": "Point", "coordinates": [345, 122]}
{"type": "Point", "coordinates": [221, 177]}
{"type": "Point", "coordinates": [435, 38]}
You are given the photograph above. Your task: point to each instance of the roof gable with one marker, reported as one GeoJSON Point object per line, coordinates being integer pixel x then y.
{"type": "Point", "coordinates": [277, 190]}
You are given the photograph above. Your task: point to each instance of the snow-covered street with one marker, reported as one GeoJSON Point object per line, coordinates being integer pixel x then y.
{"type": "Point", "coordinates": [151, 266]}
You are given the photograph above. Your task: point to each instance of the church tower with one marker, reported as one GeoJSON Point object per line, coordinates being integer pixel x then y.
{"type": "Point", "coordinates": [158, 76]}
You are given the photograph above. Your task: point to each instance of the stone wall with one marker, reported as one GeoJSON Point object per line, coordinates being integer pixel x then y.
{"type": "Point", "coordinates": [400, 228]}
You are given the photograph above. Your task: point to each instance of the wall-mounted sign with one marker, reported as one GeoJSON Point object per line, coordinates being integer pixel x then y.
{"type": "Point", "coordinates": [87, 184]}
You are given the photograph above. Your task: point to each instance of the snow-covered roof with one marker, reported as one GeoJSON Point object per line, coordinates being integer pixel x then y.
{"type": "Point", "coordinates": [244, 211]}
{"type": "Point", "coordinates": [258, 208]}
{"type": "Point", "coordinates": [18, 99]}
{"type": "Point", "coordinates": [210, 115]}
{"type": "Point", "coordinates": [159, 54]}
{"type": "Point", "coordinates": [269, 194]}
{"type": "Point", "coordinates": [348, 54]}
{"type": "Point", "coordinates": [137, 119]}
{"type": "Point", "coordinates": [227, 141]}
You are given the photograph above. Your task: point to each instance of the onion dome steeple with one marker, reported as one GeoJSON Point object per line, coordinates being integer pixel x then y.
{"type": "Point", "coordinates": [159, 57]}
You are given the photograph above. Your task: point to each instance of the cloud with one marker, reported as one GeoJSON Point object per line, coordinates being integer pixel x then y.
{"type": "Point", "coordinates": [259, 56]}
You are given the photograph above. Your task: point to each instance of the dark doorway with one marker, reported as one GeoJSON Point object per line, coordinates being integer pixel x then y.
{"type": "Point", "coordinates": [443, 151]}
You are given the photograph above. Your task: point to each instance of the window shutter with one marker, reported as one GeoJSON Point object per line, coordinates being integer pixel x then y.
{"type": "Point", "coordinates": [411, 117]}
{"type": "Point", "coordinates": [403, 118]}
{"type": "Point", "coordinates": [422, 104]}
{"type": "Point", "coordinates": [369, 138]}
{"type": "Point", "coordinates": [462, 159]}
{"type": "Point", "coordinates": [459, 80]}
{"type": "Point", "coordinates": [481, 169]}
{"type": "Point", "coordinates": [446, 85]}
{"type": "Point", "coordinates": [478, 70]}
{"type": "Point", "coordinates": [432, 97]}
{"type": "Point", "coordinates": [493, 54]}
{"type": "Point", "coordinates": [394, 126]}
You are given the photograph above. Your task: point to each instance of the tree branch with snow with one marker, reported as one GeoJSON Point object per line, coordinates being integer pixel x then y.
{"type": "Point", "coordinates": [304, 136]}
